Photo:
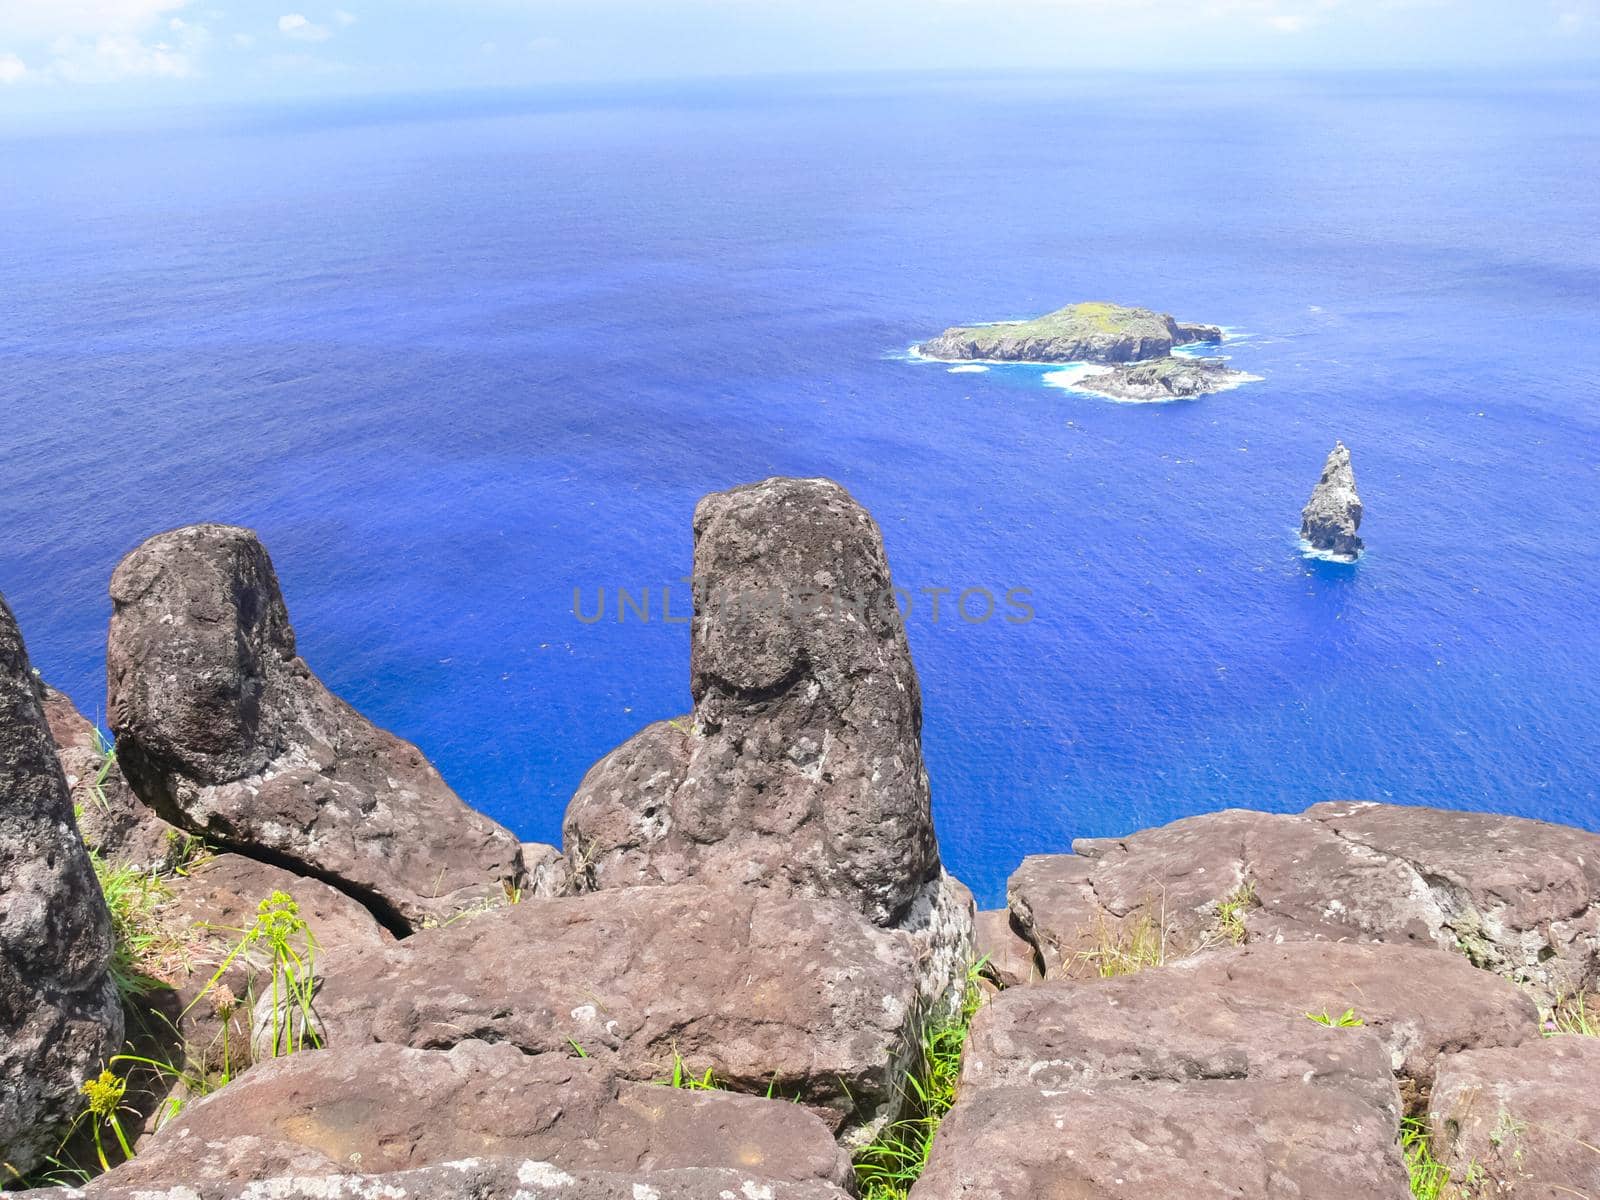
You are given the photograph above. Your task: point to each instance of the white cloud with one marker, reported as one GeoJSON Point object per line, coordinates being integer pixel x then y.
{"type": "Point", "coordinates": [12, 68]}
{"type": "Point", "coordinates": [1288, 22]}
{"type": "Point", "coordinates": [296, 26]}
{"type": "Point", "coordinates": [343, 19]}
{"type": "Point", "coordinates": [116, 56]}
{"type": "Point", "coordinates": [46, 20]}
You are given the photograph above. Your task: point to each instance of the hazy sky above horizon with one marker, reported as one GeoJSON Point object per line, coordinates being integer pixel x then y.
{"type": "Point", "coordinates": [73, 54]}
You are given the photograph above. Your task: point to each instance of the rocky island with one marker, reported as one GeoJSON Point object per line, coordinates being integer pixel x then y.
{"type": "Point", "coordinates": [1331, 517]}
{"type": "Point", "coordinates": [1093, 331]}
{"type": "Point", "coordinates": [747, 974]}
{"type": "Point", "coordinates": [1175, 377]}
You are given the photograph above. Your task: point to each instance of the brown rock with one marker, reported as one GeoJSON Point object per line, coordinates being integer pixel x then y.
{"type": "Point", "coordinates": [113, 821]}
{"type": "Point", "coordinates": [382, 1109]}
{"type": "Point", "coordinates": [1422, 1004]}
{"type": "Point", "coordinates": [485, 1179]}
{"type": "Point", "coordinates": [1164, 1026]}
{"type": "Point", "coordinates": [1522, 1122]}
{"type": "Point", "coordinates": [800, 769]}
{"type": "Point", "coordinates": [1339, 872]}
{"type": "Point", "coordinates": [1213, 1140]}
{"type": "Point", "coordinates": [1006, 955]}
{"type": "Point", "coordinates": [59, 1012]}
{"type": "Point", "coordinates": [548, 873]}
{"type": "Point", "coordinates": [755, 986]}
{"type": "Point", "coordinates": [225, 731]}
{"type": "Point", "coordinates": [1518, 897]}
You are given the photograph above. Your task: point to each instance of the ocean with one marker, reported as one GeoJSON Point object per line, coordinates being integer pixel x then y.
{"type": "Point", "coordinates": [454, 358]}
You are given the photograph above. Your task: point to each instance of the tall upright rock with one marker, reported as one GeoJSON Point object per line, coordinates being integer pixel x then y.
{"type": "Point", "coordinates": [800, 769]}
{"type": "Point", "coordinates": [59, 1013]}
{"type": "Point", "coordinates": [801, 766]}
{"type": "Point", "coordinates": [223, 730]}
{"type": "Point", "coordinates": [1333, 514]}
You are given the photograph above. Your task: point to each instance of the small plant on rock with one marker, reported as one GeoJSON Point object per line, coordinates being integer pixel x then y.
{"type": "Point", "coordinates": [1122, 947]}
{"type": "Point", "coordinates": [1345, 1020]}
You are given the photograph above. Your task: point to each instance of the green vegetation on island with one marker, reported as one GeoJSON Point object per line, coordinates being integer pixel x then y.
{"type": "Point", "coordinates": [1093, 331]}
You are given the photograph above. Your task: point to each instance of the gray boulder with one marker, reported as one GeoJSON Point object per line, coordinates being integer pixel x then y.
{"type": "Point", "coordinates": [1516, 896]}
{"type": "Point", "coordinates": [382, 1109]}
{"type": "Point", "coordinates": [800, 769]}
{"type": "Point", "coordinates": [1333, 514]}
{"type": "Point", "coordinates": [60, 1017]}
{"type": "Point", "coordinates": [224, 731]}
{"type": "Point", "coordinates": [794, 995]}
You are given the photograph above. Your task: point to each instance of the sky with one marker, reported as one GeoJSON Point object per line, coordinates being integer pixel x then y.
{"type": "Point", "coordinates": [64, 55]}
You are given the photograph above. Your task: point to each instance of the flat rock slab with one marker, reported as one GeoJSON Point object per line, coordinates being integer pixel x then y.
{"type": "Point", "coordinates": [386, 1108]}
{"type": "Point", "coordinates": [755, 986]}
{"type": "Point", "coordinates": [1526, 1120]}
{"type": "Point", "coordinates": [1160, 1025]}
{"type": "Point", "coordinates": [1221, 1140]}
{"type": "Point", "coordinates": [1422, 1004]}
{"type": "Point", "coordinates": [1514, 896]}
{"type": "Point", "coordinates": [483, 1179]}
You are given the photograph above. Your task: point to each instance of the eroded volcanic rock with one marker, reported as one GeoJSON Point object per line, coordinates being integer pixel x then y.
{"type": "Point", "coordinates": [1175, 377]}
{"type": "Point", "coordinates": [763, 989]}
{"type": "Point", "coordinates": [800, 769]}
{"type": "Point", "coordinates": [1226, 1139]}
{"type": "Point", "coordinates": [1523, 1122]}
{"type": "Point", "coordinates": [1516, 896]}
{"type": "Point", "coordinates": [1089, 332]}
{"type": "Point", "coordinates": [60, 1017]}
{"type": "Point", "coordinates": [386, 1109]}
{"type": "Point", "coordinates": [224, 730]}
{"type": "Point", "coordinates": [1333, 514]}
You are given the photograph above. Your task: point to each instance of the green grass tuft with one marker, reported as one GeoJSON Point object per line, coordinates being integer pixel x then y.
{"type": "Point", "coordinates": [1430, 1179]}
{"type": "Point", "coordinates": [894, 1160]}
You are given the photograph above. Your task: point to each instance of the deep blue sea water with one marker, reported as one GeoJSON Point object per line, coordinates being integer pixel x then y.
{"type": "Point", "coordinates": [454, 358]}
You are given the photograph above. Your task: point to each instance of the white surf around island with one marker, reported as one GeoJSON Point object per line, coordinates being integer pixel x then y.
{"type": "Point", "coordinates": [1069, 377]}
{"type": "Point", "coordinates": [1311, 554]}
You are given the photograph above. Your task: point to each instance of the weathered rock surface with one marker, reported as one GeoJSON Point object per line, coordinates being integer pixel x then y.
{"type": "Point", "coordinates": [207, 912]}
{"type": "Point", "coordinates": [112, 820]}
{"type": "Point", "coordinates": [483, 1179]}
{"type": "Point", "coordinates": [1213, 1140]}
{"type": "Point", "coordinates": [800, 769]}
{"type": "Point", "coordinates": [383, 1108]}
{"type": "Point", "coordinates": [548, 873]}
{"type": "Point", "coordinates": [59, 1013]}
{"type": "Point", "coordinates": [1516, 896]}
{"type": "Point", "coordinates": [1163, 1025]}
{"type": "Point", "coordinates": [225, 731]}
{"type": "Point", "coordinates": [1522, 1122]}
{"type": "Point", "coordinates": [1333, 514]}
{"type": "Point", "coordinates": [1007, 956]}
{"type": "Point", "coordinates": [1088, 332]}
{"type": "Point", "coordinates": [1175, 377]}
{"type": "Point", "coordinates": [756, 986]}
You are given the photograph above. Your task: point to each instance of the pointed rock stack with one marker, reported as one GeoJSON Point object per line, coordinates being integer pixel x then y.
{"type": "Point", "coordinates": [1333, 514]}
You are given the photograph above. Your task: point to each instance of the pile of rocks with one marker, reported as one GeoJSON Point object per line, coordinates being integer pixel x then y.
{"type": "Point", "coordinates": [754, 891]}
{"type": "Point", "coordinates": [1241, 1005]}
